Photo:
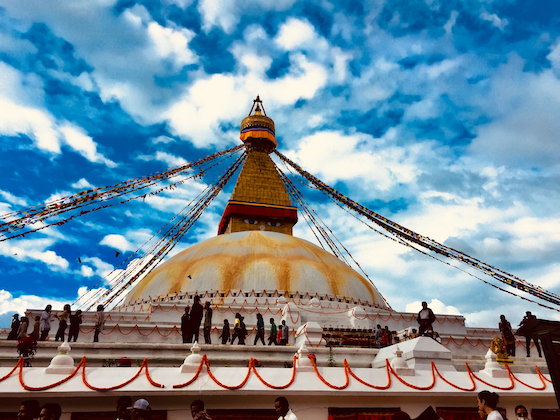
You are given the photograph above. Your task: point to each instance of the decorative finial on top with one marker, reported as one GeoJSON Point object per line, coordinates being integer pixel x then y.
{"type": "Point", "coordinates": [257, 129]}
{"type": "Point", "coordinates": [260, 105]}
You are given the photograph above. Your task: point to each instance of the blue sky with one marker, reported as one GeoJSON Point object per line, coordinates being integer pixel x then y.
{"type": "Point", "coordinates": [441, 115]}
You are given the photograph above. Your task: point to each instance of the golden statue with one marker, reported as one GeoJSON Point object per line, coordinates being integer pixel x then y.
{"type": "Point", "coordinates": [499, 349]}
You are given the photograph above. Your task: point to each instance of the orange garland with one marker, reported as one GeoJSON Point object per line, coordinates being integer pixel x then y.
{"type": "Point", "coordinates": [541, 374]}
{"type": "Point", "coordinates": [421, 388]}
{"type": "Point", "coordinates": [347, 367]}
{"type": "Point", "coordinates": [252, 368]}
{"type": "Point", "coordinates": [489, 384]}
{"type": "Point", "coordinates": [44, 388]}
{"type": "Point", "coordinates": [143, 366]}
{"type": "Point", "coordinates": [204, 359]}
{"type": "Point", "coordinates": [511, 374]}
{"type": "Point", "coordinates": [435, 369]}
{"type": "Point", "coordinates": [251, 364]}
{"type": "Point", "coordinates": [327, 383]}
{"type": "Point", "coordinates": [19, 362]}
{"type": "Point", "coordinates": [81, 365]}
{"type": "Point", "coordinates": [277, 386]}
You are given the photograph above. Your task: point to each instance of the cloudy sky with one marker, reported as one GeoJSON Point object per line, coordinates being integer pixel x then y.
{"type": "Point", "coordinates": [441, 115]}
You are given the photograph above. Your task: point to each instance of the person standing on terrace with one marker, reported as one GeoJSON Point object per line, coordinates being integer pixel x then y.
{"type": "Point", "coordinates": [196, 317]}
{"type": "Point", "coordinates": [260, 330]}
{"type": "Point", "coordinates": [185, 326]}
{"type": "Point", "coordinates": [273, 333]}
{"type": "Point", "coordinates": [425, 318]}
{"type": "Point", "coordinates": [207, 323]}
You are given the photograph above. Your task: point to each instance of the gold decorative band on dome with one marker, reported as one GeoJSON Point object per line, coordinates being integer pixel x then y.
{"type": "Point", "coordinates": [257, 122]}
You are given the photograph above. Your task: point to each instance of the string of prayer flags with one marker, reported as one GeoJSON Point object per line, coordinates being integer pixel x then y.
{"type": "Point", "coordinates": [413, 237]}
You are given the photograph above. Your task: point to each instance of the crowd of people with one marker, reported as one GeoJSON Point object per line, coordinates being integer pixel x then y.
{"type": "Point", "coordinates": [19, 328]}
{"type": "Point", "coordinates": [191, 321]}
{"type": "Point", "coordinates": [192, 318]}
{"type": "Point", "coordinates": [140, 410]}
{"type": "Point", "coordinates": [487, 403]}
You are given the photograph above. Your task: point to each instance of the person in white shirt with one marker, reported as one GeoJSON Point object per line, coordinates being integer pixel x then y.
{"type": "Point", "coordinates": [487, 402]}
{"type": "Point", "coordinates": [45, 323]}
{"type": "Point", "coordinates": [282, 408]}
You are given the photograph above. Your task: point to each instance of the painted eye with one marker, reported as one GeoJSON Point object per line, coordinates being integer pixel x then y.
{"type": "Point", "coordinates": [251, 222]}
{"type": "Point", "coordinates": [274, 224]}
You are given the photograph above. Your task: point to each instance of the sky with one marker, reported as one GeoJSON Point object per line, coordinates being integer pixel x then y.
{"type": "Point", "coordinates": [440, 115]}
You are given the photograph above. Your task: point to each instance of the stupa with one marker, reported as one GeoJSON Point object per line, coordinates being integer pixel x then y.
{"type": "Point", "coordinates": [329, 369]}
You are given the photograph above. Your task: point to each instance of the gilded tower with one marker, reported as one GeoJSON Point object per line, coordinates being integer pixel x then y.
{"type": "Point", "coordinates": [259, 200]}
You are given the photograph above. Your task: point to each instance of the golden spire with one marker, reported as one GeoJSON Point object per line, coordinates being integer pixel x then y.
{"type": "Point", "coordinates": [259, 200]}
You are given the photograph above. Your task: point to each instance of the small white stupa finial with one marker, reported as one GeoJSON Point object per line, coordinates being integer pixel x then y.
{"type": "Point", "coordinates": [62, 363]}
{"type": "Point", "coordinates": [192, 361]}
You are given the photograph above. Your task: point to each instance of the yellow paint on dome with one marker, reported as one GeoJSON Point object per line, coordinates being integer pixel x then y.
{"type": "Point", "coordinates": [255, 261]}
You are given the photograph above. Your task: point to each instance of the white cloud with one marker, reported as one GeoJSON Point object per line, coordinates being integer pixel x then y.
{"type": "Point", "coordinates": [340, 67]}
{"type": "Point", "coordinates": [534, 234]}
{"type": "Point", "coordinates": [172, 43]}
{"type": "Point", "coordinates": [82, 184]}
{"type": "Point", "coordinates": [27, 250]}
{"type": "Point", "coordinates": [220, 13]}
{"type": "Point", "coordinates": [19, 117]}
{"type": "Point", "coordinates": [175, 200]}
{"type": "Point", "coordinates": [15, 47]}
{"type": "Point", "coordinates": [451, 22]}
{"type": "Point", "coordinates": [225, 14]}
{"type": "Point", "coordinates": [443, 215]}
{"type": "Point", "coordinates": [169, 159]}
{"type": "Point", "coordinates": [435, 71]}
{"type": "Point", "coordinates": [101, 268]}
{"type": "Point", "coordinates": [48, 257]}
{"type": "Point", "coordinates": [34, 123]}
{"type": "Point", "coordinates": [161, 139]}
{"type": "Point", "coordinates": [437, 306]}
{"type": "Point", "coordinates": [12, 199]}
{"type": "Point", "coordinates": [334, 156]}
{"type": "Point", "coordinates": [86, 271]}
{"type": "Point", "coordinates": [84, 145]}
{"type": "Point", "coordinates": [8, 303]}
{"type": "Point", "coordinates": [298, 33]}
{"type": "Point", "coordinates": [197, 115]}
{"type": "Point", "coordinates": [128, 52]}
{"type": "Point", "coordinates": [117, 241]}
{"type": "Point", "coordinates": [547, 277]}
{"type": "Point", "coordinates": [496, 21]}
{"type": "Point", "coordinates": [523, 109]}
